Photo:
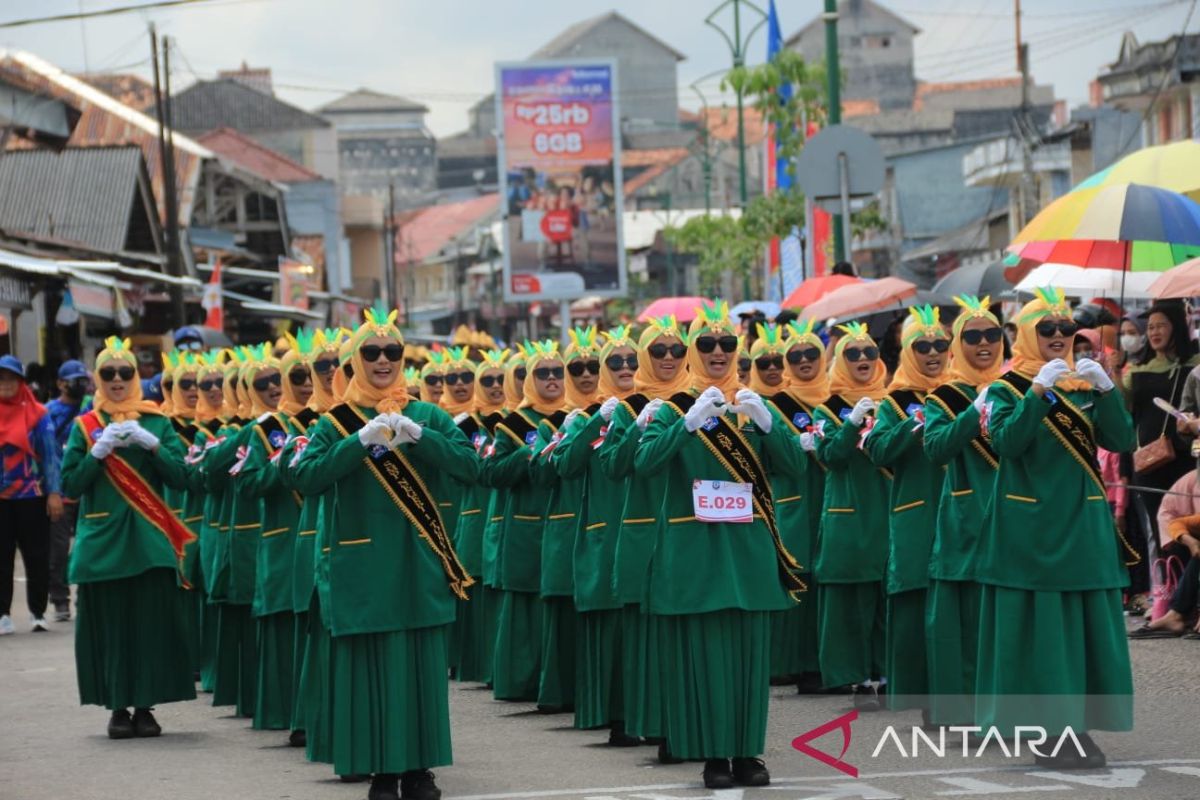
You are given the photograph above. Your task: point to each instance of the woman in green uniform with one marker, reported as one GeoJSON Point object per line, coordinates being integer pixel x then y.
{"type": "Point", "coordinates": [719, 565]}
{"type": "Point", "coordinates": [599, 694]}
{"type": "Point", "coordinates": [895, 443]}
{"type": "Point", "coordinates": [376, 451]}
{"type": "Point", "coordinates": [853, 549]}
{"type": "Point", "coordinates": [953, 439]}
{"type": "Point", "coordinates": [794, 633]}
{"type": "Point", "coordinates": [131, 649]}
{"type": "Point", "coordinates": [1052, 646]}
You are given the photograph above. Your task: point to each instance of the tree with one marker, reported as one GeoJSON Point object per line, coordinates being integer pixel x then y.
{"type": "Point", "coordinates": [721, 245]}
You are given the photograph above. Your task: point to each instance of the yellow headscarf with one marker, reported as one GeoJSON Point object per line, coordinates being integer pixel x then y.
{"type": "Point", "coordinates": [187, 366]}
{"type": "Point", "coordinates": [340, 381]}
{"type": "Point", "coordinates": [922, 321]}
{"type": "Point", "coordinates": [614, 339]}
{"type": "Point", "coordinates": [170, 361]}
{"type": "Point", "coordinates": [245, 400]}
{"type": "Point", "coordinates": [583, 347]}
{"type": "Point", "coordinates": [229, 390]}
{"type": "Point", "coordinates": [713, 318]}
{"type": "Point", "coordinates": [360, 392]}
{"type": "Point", "coordinates": [1027, 357]}
{"type": "Point", "coordinates": [489, 359]}
{"type": "Point", "coordinates": [541, 351]}
{"type": "Point", "coordinates": [768, 343]}
{"type": "Point", "coordinates": [644, 380]}
{"type": "Point", "coordinates": [961, 369]}
{"type": "Point", "coordinates": [436, 365]}
{"type": "Point", "coordinates": [457, 361]}
{"type": "Point", "coordinates": [840, 380]}
{"type": "Point", "coordinates": [210, 365]}
{"type": "Point", "coordinates": [117, 351]}
{"type": "Point", "coordinates": [260, 360]}
{"type": "Point", "coordinates": [815, 391]}
{"type": "Point", "coordinates": [514, 390]}
{"type": "Point", "coordinates": [326, 342]}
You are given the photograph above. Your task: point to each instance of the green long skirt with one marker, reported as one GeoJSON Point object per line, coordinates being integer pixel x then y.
{"type": "Point", "coordinates": [474, 635]}
{"type": "Point", "coordinates": [299, 635]}
{"type": "Point", "coordinates": [1053, 659]}
{"type": "Point", "coordinates": [908, 677]}
{"type": "Point", "coordinates": [237, 659]}
{"type": "Point", "coordinates": [794, 637]}
{"type": "Point", "coordinates": [951, 646]}
{"type": "Point", "coordinates": [131, 649]}
{"type": "Point", "coordinates": [208, 642]}
{"type": "Point", "coordinates": [273, 687]}
{"type": "Point", "coordinates": [316, 687]}
{"type": "Point", "coordinates": [718, 682]}
{"type": "Point", "coordinates": [391, 693]}
{"type": "Point", "coordinates": [599, 695]}
{"type": "Point", "coordinates": [556, 681]}
{"type": "Point", "coordinates": [517, 665]}
{"type": "Point", "coordinates": [852, 632]}
{"type": "Point", "coordinates": [642, 674]}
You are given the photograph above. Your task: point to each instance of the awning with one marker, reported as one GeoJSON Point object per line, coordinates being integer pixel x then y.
{"type": "Point", "coordinates": [241, 272]}
{"type": "Point", "coordinates": [52, 268]}
{"type": "Point", "coordinates": [132, 273]}
{"type": "Point", "coordinates": [267, 309]}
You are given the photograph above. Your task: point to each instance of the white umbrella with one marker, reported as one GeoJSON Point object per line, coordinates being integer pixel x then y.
{"type": "Point", "coordinates": [1091, 281]}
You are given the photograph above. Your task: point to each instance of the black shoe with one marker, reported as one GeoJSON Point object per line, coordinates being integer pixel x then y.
{"type": "Point", "coordinates": [1095, 758]}
{"type": "Point", "coordinates": [355, 778]}
{"type": "Point", "coordinates": [750, 772]}
{"type": "Point", "coordinates": [809, 683]}
{"type": "Point", "coordinates": [717, 774]}
{"type": "Point", "coordinates": [120, 725]}
{"type": "Point", "coordinates": [664, 754]}
{"type": "Point", "coordinates": [866, 699]}
{"type": "Point", "coordinates": [617, 737]}
{"type": "Point", "coordinates": [384, 787]}
{"type": "Point", "coordinates": [1068, 757]}
{"type": "Point", "coordinates": [417, 784]}
{"type": "Point", "coordinates": [297, 739]}
{"type": "Point", "coordinates": [145, 726]}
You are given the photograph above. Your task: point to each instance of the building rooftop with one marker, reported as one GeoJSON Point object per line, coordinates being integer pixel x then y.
{"type": "Point", "coordinates": [252, 156]}
{"type": "Point", "coordinates": [848, 8]}
{"type": "Point", "coordinates": [425, 232]}
{"type": "Point", "coordinates": [131, 90]}
{"type": "Point", "coordinates": [227, 103]}
{"type": "Point", "coordinates": [561, 45]}
{"type": "Point", "coordinates": [978, 95]}
{"type": "Point", "coordinates": [369, 100]}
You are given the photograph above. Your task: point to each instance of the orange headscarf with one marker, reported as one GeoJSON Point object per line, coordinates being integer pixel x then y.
{"type": "Point", "coordinates": [770, 342]}
{"type": "Point", "coordinates": [840, 380]}
{"type": "Point", "coordinates": [133, 406]}
{"type": "Point", "coordinates": [644, 380]}
{"type": "Point", "coordinates": [489, 360]}
{"type": "Point", "coordinates": [815, 391]}
{"type": "Point", "coordinates": [210, 365]}
{"type": "Point", "coordinates": [187, 366]}
{"type": "Point", "coordinates": [541, 351]}
{"type": "Point", "coordinates": [961, 369]}
{"type": "Point", "coordinates": [922, 321]}
{"type": "Point", "coordinates": [361, 392]}
{"type": "Point", "coordinates": [1027, 358]}
{"type": "Point", "coordinates": [514, 390]}
{"type": "Point", "coordinates": [457, 361]}
{"type": "Point", "coordinates": [583, 347]}
{"type": "Point", "coordinates": [616, 338]}
{"type": "Point", "coordinates": [712, 319]}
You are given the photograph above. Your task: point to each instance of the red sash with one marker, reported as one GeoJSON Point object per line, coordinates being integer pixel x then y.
{"type": "Point", "coordinates": [141, 496]}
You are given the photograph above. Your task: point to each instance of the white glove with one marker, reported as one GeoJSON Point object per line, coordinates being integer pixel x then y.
{"type": "Point", "coordinates": [750, 404]}
{"type": "Point", "coordinates": [407, 431]}
{"type": "Point", "coordinates": [808, 442]}
{"type": "Point", "coordinates": [571, 417]}
{"type": "Point", "coordinates": [863, 407]}
{"type": "Point", "coordinates": [981, 400]}
{"type": "Point", "coordinates": [705, 406]}
{"type": "Point", "coordinates": [103, 447]}
{"type": "Point", "coordinates": [263, 417]}
{"type": "Point", "coordinates": [1094, 374]}
{"type": "Point", "coordinates": [608, 407]}
{"type": "Point", "coordinates": [647, 413]}
{"type": "Point", "coordinates": [376, 432]}
{"type": "Point", "coordinates": [142, 437]}
{"type": "Point", "coordinates": [1050, 372]}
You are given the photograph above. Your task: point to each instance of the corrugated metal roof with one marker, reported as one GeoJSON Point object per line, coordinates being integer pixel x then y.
{"type": "Point", "coordinates": [250, 155]}
{"type": "Point", "coordinates": [207, 105]}
{"type": "Point", "coordinates": [81, 195]}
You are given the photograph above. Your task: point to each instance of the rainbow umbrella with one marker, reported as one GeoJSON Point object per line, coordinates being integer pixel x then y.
{"type": "Point", "coordinates": [1174, 166]}
{"type": "Point", "coordinates": [1123, 226]}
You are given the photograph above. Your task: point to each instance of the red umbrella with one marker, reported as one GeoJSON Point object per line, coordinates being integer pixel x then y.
{"type": "Point", "coordinates": [684, 308]}
{"type": "Point", "coordinates": [860, 298]}
{"type": "Point", "coordinates": [814, 289]}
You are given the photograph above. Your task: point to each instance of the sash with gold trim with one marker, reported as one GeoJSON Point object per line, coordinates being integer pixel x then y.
{"type": "Point", "coordinates": [406, 489]}
{"type": "Point", "coordinates": [274, 436]}
{"type": "Point", "coordinates": [731, 449]}
{"type": "Point", "coordinates": [186, 431]}
{"type": "Point", "coordinates": [955, 402]}
{"type": "Point", "coordinates": [518, 427]}
{"type": "Point", "coordinates": [140, 495]}
{"type": "Point", "coordinates": [635, 403]}
{"type": "Point", "coordinates": [799, 418]}
{"type": "Point", "coordinates": [837, 408]}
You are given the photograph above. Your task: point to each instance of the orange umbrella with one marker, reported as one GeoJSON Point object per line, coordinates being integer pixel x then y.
{"type": "Point", "coordinates": [860, 298]}
{"type": "Point", "coordinates": [1180, 281]}
{"type": "Point", "coordinates": [814, 289]}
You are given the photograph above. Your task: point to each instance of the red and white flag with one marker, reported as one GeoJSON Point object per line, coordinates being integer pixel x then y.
{"type": "Point", "coordinates": [212, 301]}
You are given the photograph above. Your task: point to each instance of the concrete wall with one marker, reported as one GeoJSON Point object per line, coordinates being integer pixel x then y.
{"type": "Point", "coordinates": [313, 208]}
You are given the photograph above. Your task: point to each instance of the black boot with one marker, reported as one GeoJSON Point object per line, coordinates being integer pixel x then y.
{"type": "Point", "coordinates": [750, 772]}
{"type": "Point", "coordinates": [120, 725]}
{"type": "Point", "coordinates": [717, 774]}
{"type": "Point", "coordinates": [665, 756]}
{"type": "Point", "coordinates": [145, 726]}
{"type": "Point", "coordinates": [809, 683]}
{"type": "Point", "coordinates": [297, 738]}
{"type": "Point", "coordinates": [384, 787]}
{"type": "Point", "coordinates": [617, 737]}
{"type": "Point", "coordinates": [417, 784]}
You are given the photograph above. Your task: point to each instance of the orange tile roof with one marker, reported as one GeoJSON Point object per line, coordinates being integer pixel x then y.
{"type": "Point", "coordinates": [656, 162]}
{"type": "Point", "coordinates": [252, 156]}
{"type": "Point", "coordinates": [859, 108]}
{"type": "Point", "coordinates": [424, 232]}
{"type": "Point", "coordinates": [722, 123]}
{"type": "Point", "coordinates": [132, 90]}
{"type": "Point", "coordinates": [925, 89]}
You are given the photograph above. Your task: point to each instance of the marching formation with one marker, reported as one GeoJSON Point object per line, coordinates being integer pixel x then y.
{"type": "Point", "coordinates": [623, 530]}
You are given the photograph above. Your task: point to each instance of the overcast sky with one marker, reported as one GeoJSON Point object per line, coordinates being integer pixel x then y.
{"type": "Point", "coordinates": [441, 53]}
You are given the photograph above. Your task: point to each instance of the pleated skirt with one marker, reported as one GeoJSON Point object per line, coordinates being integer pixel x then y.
{"type": "Point", "coordinates": [556, 681]}
{"type": "Point", "coordinates": [299, 637]}
{"type": "Point", "coordinates": [131, 646]}
{"type": "Point", "coordinates": [951, 647]}
{"type": "Point", "coordinates": [236, 675]}
{"type": "Point", "coordinates": [516, 668]}
{"type": "Point", "coordinates": [474, 635]}
{"type": "Point", "coordinates": [599, 694]}
{"type": "Point", "coordinates": [851, 632]}
{"type": "Point", "coordinates": [642, 677]}
{"type": "Point", "coordinates": [794, 637]}
{"type": "Point", "coordinates": [1053, 659]}
{"type": "Point", "coordinates": [273, 687]}
{"type": "Point", "coordinates": [717, 682]}
{"type": "Point", "coordinates": [907, 674]}
{"type": "Point", "coordinates": [390, 692]}
{"type": "Point", "coordinates": [208, 643]}
{"type": "Point", "coordinates": [316, 688]}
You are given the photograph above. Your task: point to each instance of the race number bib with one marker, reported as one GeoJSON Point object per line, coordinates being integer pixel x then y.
{"type": "Point", "coordinates": [722, 501]}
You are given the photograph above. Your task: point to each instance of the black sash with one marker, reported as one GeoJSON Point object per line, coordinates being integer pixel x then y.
{"type": "Point", "coordinates": [518, 426]}
{"type": "Point", "coordinates": [186, 431]}
{"type": "Point", "coordinates": [406, 489]}
{"type": "Point", "coordinates": [635, 403]}
{"type": "Point", "coordinates": [901, 400]}
{"type": "Point", "coordinates": [212, 426]}
{"type": "Point", "coordinates": [730, 448]}
{"type": "Point", "coordinates": [469, 426]}
{"type": "Point", "coordinates": [954, 401]}
{"type": "Point", "coordinates": [834, 406]}
{"type": "Point", "coordinates": [274, 435]}
{"type": "Point", "coordinates": [794, 411]}
{"type": "Point", "coordinates": [305, 418]}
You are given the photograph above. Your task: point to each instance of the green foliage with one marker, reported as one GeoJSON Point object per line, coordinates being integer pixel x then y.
{"type": "Point", "coordinates": [720, 244]}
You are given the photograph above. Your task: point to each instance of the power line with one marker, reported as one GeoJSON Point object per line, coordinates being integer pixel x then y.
{"type": "Point", "coordinates": [103, 12]}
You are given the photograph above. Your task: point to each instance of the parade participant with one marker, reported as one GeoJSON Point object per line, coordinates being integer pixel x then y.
{"type": "Point", "coordinates": [412, 382]}
{"type": "Point", "coordinates": [432, 374]}
{"type": "Point", "coordinates": [517, 666]}
{"type": "Point", "coordinates": [599, 694]}
{"type": "Point", "coordinates": [744, 362]}
{"type": "Point", "coordinates": [30, 495]}
{"type": "Point", "coordinates": [795, 632]}
{"type": "Point", "coordinates": [1051, 627]}
{"type": "Point", "coordinates": [713, 583]}
{"type": "Point", "coordinates": [74, 385]}
{"type": "Point", "coordinates": [170, 360]}
{"type": "Point", "coordinates": [457, 400]}
{"type": "Point", "coordinates": [766, 360]}
{"type": "Point", "coordinates": [895, 443]}
{"type": "Point", "coordinates": [377, 450]}
{"type": "Point", "coordinates": [954, 439]}
{"type": "Point", "coordinates": [341, 378]}
{"type": "Point", "coordinates": [514, 375]}
{"type": "Point", "coordinates": [852, 549]}
{"type": "Point", "coordinates": [660, 376]}
{"type": "Point", "coordinates": [130, 644]}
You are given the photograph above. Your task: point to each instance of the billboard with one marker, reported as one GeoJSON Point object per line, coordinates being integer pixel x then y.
{"type": "Point", "coordinates": [560, 179]}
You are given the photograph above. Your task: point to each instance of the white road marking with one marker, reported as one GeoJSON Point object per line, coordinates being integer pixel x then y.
{"type": "Point", "coordinates": [972, 786]}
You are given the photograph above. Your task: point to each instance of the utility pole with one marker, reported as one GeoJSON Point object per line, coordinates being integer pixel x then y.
{"type": "Point", "coordinates": [166, 144]}
{"type": "Point", "coordinates": [1026, 130]}
{"type": "Point", "coordinates": [833, 80]}
{"type": "Point", "coordinates": [389, 254]}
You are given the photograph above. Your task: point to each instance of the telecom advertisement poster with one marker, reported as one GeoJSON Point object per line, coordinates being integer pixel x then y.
{"type": "Point", "coordinates": [560, 179]}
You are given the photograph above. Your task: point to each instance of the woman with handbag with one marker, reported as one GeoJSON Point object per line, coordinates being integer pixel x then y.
{"type": "Point", "coordinates": [1176, 598]}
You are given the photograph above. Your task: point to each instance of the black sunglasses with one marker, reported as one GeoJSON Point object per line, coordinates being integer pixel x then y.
{"type": "Point", "coordinates": [796, 355]}
{"type": "Point", "coordinates": [372, 352]}
{"type": "Point", "coordinates": [488, 381]}
{"type": "Point", "coordinates": [299, 377]}
{"type": "Point", "coordinates": [869, 353]}
{"type": "Point", "coordinates": [211, 383]}
{"type": "Point", "coordinates": [743, 365]}
{"type": "Point", "coordinates": [264, 383]}
{"type": "Point", "coordinates": [459, 377]}
{"type": "Point", "coordinates": [187, 384]}
{"type": "Point", "coordinates": [577, 368]}
{"type": "Point", "coordinates": [546, 373]}
{"type": "Point", "coordinates": [660, 350]}
{"type": "Point", "coordinates": [433, 380]}
{"type": "Point", "coordinates": [1047, 328]}
{"type": "Point", "coordinates": [768, 362]}
{"type": "Point", "coordinates": [615, 363]}
{"type": "Point", "coordinates": [109, 373]}
{"type": "Point", "coordinates": [325, 365]}
{"type": "Point", "coordinates": [706, 344]}
{"type": "Point", "coordinates": [519, 373]}
{"type": "Point", "coordinates": [924, 346]}
{"type": "Point", "coordinates": [975, 336]}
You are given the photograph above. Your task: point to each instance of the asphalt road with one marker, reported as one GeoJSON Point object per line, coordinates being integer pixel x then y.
{"type": "Point", "coordinates": [50, 747]}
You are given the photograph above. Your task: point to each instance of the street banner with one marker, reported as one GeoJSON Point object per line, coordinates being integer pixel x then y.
{"type": "Point", "coordinates": [294, 283]}
{"type": "Point", "coordinates": [560, 177]}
